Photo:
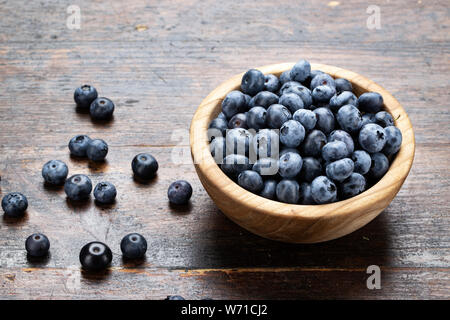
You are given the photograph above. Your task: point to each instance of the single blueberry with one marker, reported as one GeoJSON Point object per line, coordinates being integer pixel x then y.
{"type": "Point", "coordinates": [322, 79]}
{"type": "Point", "coordinates": [323, 190]}
{"type": "Point", "coordinates": [344, 98]}
{"type": "Point", "coordinates": [368, 118]}
{"type": "Point", "coordinates": [370, 102]}
{"type": "Point", "coordinates": [292, 133]}
{"type": "Point", "coordinates": [334, 150]}
{"type": "Point", "coordinates": [256, 118]}
{"type": "Point", "coordinates": [84, 96]}
{"type": "Point", "coordinates": [340, 170]}
{"type": "Point", "coordinates": [144, 166]}
{"type": "Point", "coordinates": [266, 166]}
{"type": "Point", "coordinates": [266, 143]}
{"type": "Point", "coordinates": [101, 109]}
{"type": "Point", "coordinates": [288, 191]}
{"type": "Point", "coordinates": [307, 118]}
{"type": "Point", "coordinates": [286, 149]}
{"type": "Point", "coordinates": [311, 169]}
{"type": "Point", "coordinates": [95, 256]}
{"type": "Point", "coordinates": [271, 83]}
{"type": "Point", "coordinates": [393, 140]}
{"type": "Point", "coordinates": [277, 114]}
{"type": "Point", "coordinates": [14, 204]}
{"type": "Point", "coordinates": [372, 138]}
{"type": "Point", "coordinates": [291, 101]}
{"type": "Point", "coordinates": [379, 166]}
{"type": "Point", "coordinates": [362, 161]}
{"type": "Point", "coordinates": [353, 185]}
{"type": "Point", "coordinates": [233, 164]}
{"type": "Point", "coordinates": [37, 245]}
{"type": "Point", "coordinates": [325, 120]}
{"type": "Point", "coordinates": [285, 77]}
{"type": "Point", "coordinates": [78, 187]}
{"type": "Point", "coordinates": [218, 149]}
{"type": "Point", "coordinates": [264, 99]}
{"type": "Point", "coordinates": [345, 137]}
{"type": "Point", "coordinates": [252, 82]}
{"type": "Point", "coordinates": [251, 181]}
{"type": "Point", "coordinates": [78, 145]}
{"type": "Point", "coordinates": [343, 85]}
{"type": "Point", "coordinates": [305, 194]}
{"type": "Point", "coordinates": [349, 118]}
{"type": "Point", "coordinates": [384, 119]}
{"type": "Point", "coordinates": [300, 90]}
{"type": "Point", "coordinates": [55, 172]}
{"type": "Point", "coordinates": [179, 192]}
{"type": "Point", "coordinates": [105, 192]}
{"type": "Point", "coordinates": [323, 94]}
{"type": "Point", "coordinates": [269, 190]}
{"type": "Point", "coordinates": [313, 143]}
{"type": "Point", "coordinates": [289, 165]}
{"type": "Point", "coordinates": [97, 150]}
{"type": "Point", "coordinates": [311, 76]}
{"type": "Point", "coordinates": [222, 116]}
{"type": "Point", "coordinates": [133, 246]}
{"type": "Point", "coordinates": [234, 103]}
{"type": "Point", "coordinates": [238, 141]}
{"type": "Point", "coordinates": [239, 120]}
{"type": "Point", "coordinates": [217, 124]}
{"type": "Point", "coordinates": [300, 71]}
{"type": "Point", "coordinates": [247, 99]}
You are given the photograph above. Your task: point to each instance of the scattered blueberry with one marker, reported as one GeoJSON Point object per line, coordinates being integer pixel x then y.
{"type": "Point", "coordinates": [95, 256]}
{"type": "Point", "coordinates": [370, 102]}
{"type": "Point", "coordinates": [287, 191]}
{"type": "Point", "coordinates": [271, 83]}
{"type": "Point", "coordinates": [55, 172]}
{"type": "Point", "coordinates": [292, 134]}
{"type": "Point", "coordinates": [251, 181]}
{"type": "Point", "coordinates": [133, 246]}
{"type": "Point", "coordinates": [179, 192]}
{"type": "Point", "coordinates": [323, 190]}
{"type": "Point", "coordinates": [105, 192]}
{"type": "Point", "coordinates": [372, 138]}
{"type": "Point", "coordinates": [252, 82]}
{"type": "Point", "coordinates": [393, 140]}
{"type": "Point", "coordinates": [78, 187]}
{"type": "Point", "coordinates": [101, 109]}
{"type": "Point", "coordinates": [97, 150]}
{"type": "Point", "coordinates": [144, 166]}
{"type": "Point", "coordinates": [37, 245]}
{"type": "Point", "coordinates": [84, 96]}
{"type": "Point", "coordinates": [307, 118]}
{"type": "Point", "coordinates": [14, 204]}
{"type": "Point", "coordinates": [78, 145]}
{"type": "Point", "coordinates": [277, 114]}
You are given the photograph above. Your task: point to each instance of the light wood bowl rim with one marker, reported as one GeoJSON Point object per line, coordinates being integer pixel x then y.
{"type": "Point", "coordinates": [214, 177]}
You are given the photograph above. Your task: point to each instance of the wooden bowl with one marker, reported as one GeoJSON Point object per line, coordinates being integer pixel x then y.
{"type": "Point", "coordinates": [298, 223]}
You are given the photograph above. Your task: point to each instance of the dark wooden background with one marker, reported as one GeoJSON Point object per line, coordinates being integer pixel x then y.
{"type": "Point", "coordinates": [157, 60]}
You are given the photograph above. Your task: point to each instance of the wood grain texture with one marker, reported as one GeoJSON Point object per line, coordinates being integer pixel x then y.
{"type": "Point", "coordinates": [157, 78]}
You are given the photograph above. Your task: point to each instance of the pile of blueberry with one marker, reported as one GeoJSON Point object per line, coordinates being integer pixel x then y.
{"type": "Point", "coordinates": [94, 255]}
{"type": "Point", "coordinates": [303, 138]}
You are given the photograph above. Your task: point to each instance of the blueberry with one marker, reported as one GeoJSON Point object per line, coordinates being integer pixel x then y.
{"type": "Point", "coordinates": [368, 118]}
{"type": "Point", "coordinates": [252, 82]}
{"type": "Point", "coordinates": [311, 169]}
{"type": "Point", "coordinates": [101, 109]}
{"type": "Point", "coordinates": [286, 149]}
{"type": "Point", "coordinates": [247, 99]}
{"type": "Point", "coordinates": [313, 143]}
{"type": "Point", "coordinates": [37, 245]}
{"type": "Point", "coordinates": [323, 94]}
{"type": "Point", "coordinates": [393, 140]}
{"type": "Point", "coordinates": [288, 191]}
{"type": "Point", "coordinates": [353, 185]}
{"type": "Point", "coordinates": [307, 118]}
{"type": "Point", "coordinates": [323, 190]}
{"type": "Point", "coordinates": [269, 190]}
{"type": "Point", "coordinates": [343, 85]}
{"type": "Point", "coordinates": [322, 79]}
{"type": "Point", "coordinates": [277, 114]}
{"type": "Point", "coordinates": [264, 99]}
{"type": "Point", "coordinates": [370, 102]}
{"type": "Point", "coordinates": [133, 246]}
{"type": "Point", "coordinates": [300, 90]}
{"type": "Point", "coordinates": [55, 172]}
{"type": "Point", "coordinates": [251, 181]}
{"type": "Point", "coordinates": [349, 118]}
{"type": "Point", "coordinates": [97, 150]}
{"type": "Point", "coordinates": [340, 170]}
{"type": "Point", "coordinates": [222, 116]}
{"type": "Point", "coordinates": [311, 76]}
{"type": "Point", "coordinates": [384, 119]}
{"type": "Point", "coordinates": [218, 124]}
{"type": "Point", "coordinates": [341, 135]}
{"type": "Point", "coordinates": [292, 133]}
{"type": "Point", "coordinates": [285, 77]}
{"type": "Point", "coordinates": [362, 161]}
{"type": "Point", "coordinates": [238, 121]}
{"type": "Point", "coordinates": [78, 145]}
{"type": "Point", "coordinates": [300, 71]}
{"type": "Point", "coordinates": [372, 138]}
{"type": "Point", "coordinates": [256, 118]}
{"type": "Point", "coordinates": [271, 83]}
{"type": "Point", "coordinates": [334, 150]}
{"type": "Point", "coordinates": [379, 166]}
{"type": "Point", "coordinates": [105, 192]}
{"type": "Point", "coordinates": [14, 204]}
{"type": "Point", "coordinates": [266, 143]}
{"type": "Point", "coordinates": [325, 120]}
{"type": "Point", "coordinates": [344, 98]}
{"type": "Point", "coordinates": [174, 298]}
{"type": "Point", "coordinates": [234, 103]}
{"type": "Point", "coordinates": [290, 165]}
{"type": "Point", "coordinates": [95, 256]}
{"type": "Point", "coordinates": [266, 166]}
{"type": "Point", "coordinates": [218, 149]}
{"type": "Point", "coordinates": [305, 194]}
{"type": "Point", "coordinates": [78, 187]}
{"type": "Point", "coordinates": [291, 101]}
{"type": "Point", "coordinates": [84, 96]}
{"type": "Point", "coordinates": [144, 166]}
{"type": "Point", "coordinates": [238, 141]}
{"type": "Point", "coordinates": [233, 164]}
{"type": "Point", "coordinates": [179, 192]}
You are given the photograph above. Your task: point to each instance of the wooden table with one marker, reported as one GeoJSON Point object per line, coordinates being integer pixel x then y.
{"type": "Point", "coordinates": [157, 60]}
